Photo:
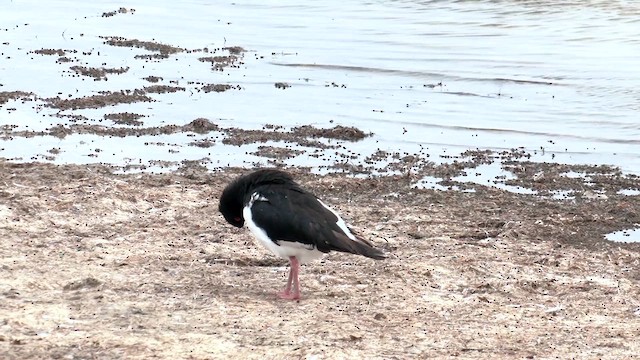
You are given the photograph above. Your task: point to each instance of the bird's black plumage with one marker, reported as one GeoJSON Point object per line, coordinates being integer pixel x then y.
{"type": "Point", "coordinates": [287, 212]}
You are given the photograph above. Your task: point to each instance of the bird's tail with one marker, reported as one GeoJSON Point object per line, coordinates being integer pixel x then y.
{"type": "Point", "coordinates": [358, 246]}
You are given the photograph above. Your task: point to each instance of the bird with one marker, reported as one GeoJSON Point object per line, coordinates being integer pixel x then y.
{"type": "Point", "coordinates": [289, 221]}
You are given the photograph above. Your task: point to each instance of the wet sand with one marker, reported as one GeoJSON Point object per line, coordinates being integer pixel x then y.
{"type": "Point", "coordinates": [97, 264]}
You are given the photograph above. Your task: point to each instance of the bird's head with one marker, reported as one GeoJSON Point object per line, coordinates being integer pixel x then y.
{"type": "Point", "coordinates": [236, 195]}
{"type": "Point", "coordinates": [232, 204]}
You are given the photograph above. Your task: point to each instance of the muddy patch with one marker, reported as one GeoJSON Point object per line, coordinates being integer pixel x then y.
{"type": "Point", "coordinates": [303, 136]}
{"type": "Point", "coordinates": [218, 88]}
{"type": "Point", "coordinates": [163, 89]}
{"type": "Point", "coordinates": [153, 79]}
{"type": "Point", "coordinates": [125, 118]}
{"type": "Point", "coordinates": [97, 73]}
{"type": "Point", "coordinates": [162, 50]}
{"type": "Point", "coordinates": [105, 98]}
{"type": "Point", "coordinates": [275, 152]}
{"type": "Point", "coordinates": [58, 52]}
{"type": "Point", "coordinates": [6, 96]}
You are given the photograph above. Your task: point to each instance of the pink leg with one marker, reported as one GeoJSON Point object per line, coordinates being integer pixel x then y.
{"type": "Point", "coordinates": [289, 293]}
{"type": "Point", "coordinates": [287, 290]}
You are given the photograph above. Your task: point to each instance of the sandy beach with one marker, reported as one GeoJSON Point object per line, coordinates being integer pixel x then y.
{"type": "Point", "coordinates": [99, 265]}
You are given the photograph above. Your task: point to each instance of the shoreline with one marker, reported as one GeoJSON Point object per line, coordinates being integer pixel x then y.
{"type": "Point", "coordinates": [497, 252]}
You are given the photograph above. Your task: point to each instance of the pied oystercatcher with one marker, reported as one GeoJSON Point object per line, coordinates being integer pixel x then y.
{"type": "Point", "coordinates": [290, 221]}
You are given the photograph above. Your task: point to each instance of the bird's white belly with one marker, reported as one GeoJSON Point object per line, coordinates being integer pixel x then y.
{"type": "Point", "coordinates": [304, 253]}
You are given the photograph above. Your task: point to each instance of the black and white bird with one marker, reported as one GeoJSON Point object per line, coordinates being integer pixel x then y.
{"type": "Point", "coordinates": [290, 221]}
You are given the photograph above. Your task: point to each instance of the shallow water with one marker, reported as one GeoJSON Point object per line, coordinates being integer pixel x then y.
{"type": "Point", "coordinates": [625, 236]}
{"type": "Point", "coordinates": [558, 78]}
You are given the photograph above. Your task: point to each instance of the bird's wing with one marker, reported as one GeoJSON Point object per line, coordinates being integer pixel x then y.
{"type": "Point", "coordinates": [292, 214]}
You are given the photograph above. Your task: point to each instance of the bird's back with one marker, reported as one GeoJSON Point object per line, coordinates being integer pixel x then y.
{"type": "Point", "coordinates": [293, 214]}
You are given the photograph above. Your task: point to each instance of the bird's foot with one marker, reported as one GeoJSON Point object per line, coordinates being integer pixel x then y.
{"type": "Point", "coordinates": [289, 295]}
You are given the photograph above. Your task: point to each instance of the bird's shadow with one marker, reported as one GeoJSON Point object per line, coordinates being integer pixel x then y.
{"type": "Point", "coordinates": [244, 261]}
{"type": "Point", "coordinates": [256, 290]}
